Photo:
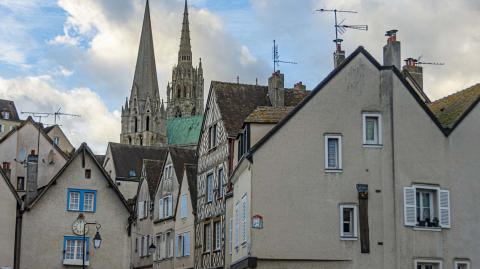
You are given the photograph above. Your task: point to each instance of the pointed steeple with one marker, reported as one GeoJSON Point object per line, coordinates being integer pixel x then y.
{"type": "Point", "coordinates": [145, 78]}
{"type": "Point", "coordinates": [185, 52]}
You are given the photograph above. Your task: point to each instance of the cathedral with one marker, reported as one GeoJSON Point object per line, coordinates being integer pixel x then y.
{"type": "Point", "coordinates": [146, 119]}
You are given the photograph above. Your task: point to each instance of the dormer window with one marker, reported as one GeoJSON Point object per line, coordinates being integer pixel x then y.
{"type": "Point", "coordinates": [5, 115]}
{"type": "Point", "coordinates": [132, 173]}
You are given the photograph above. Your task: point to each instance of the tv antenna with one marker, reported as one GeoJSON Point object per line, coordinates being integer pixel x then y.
{"type": "Point", "coordinates": [414, 62]}
{"type": "Point", "coordinates": [276, 58]}
{"type": "Point", "coordinates": [341, 28]}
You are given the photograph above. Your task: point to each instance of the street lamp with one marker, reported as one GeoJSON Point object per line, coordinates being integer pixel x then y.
{"type": "Point", "coordinates": [97, 240]}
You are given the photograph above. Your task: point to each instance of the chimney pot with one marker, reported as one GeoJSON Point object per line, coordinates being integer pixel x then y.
{"type": "Point", "coordinates": [392, 50]}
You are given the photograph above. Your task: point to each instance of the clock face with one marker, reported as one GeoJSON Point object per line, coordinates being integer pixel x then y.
{"type": "Point", "coordinates": [78, 226]}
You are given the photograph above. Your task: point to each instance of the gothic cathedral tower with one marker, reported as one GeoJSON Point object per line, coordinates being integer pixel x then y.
{"type": "Point", "coordinates": [144, 115]}
{"type": "Point", "coordinates": [185, 93]}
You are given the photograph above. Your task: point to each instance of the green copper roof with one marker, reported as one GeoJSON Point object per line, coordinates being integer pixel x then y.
{"type": "Point", "coordinates": [184, 131]}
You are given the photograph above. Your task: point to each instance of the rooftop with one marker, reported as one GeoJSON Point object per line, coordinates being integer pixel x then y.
{"type": "Point", "coordinates": [184, 130]}
{"type": "Point", "coordinates": [268, 114]}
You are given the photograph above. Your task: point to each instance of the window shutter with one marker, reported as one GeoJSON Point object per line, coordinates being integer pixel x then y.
{"type": "Point", "coordinates": [186, 243]}
{"type": "Point", "coordinates": [145, 246]}
{"type": "Point", "coordinates": [154, 241]}
{"type": "Point", "coordinates": [169, 206]}
{"type": "Point", "coordinates": [138, 250]}
{"type": "Point", "coordinates": [160, 208]}
{"type": "Point", "coordinates": [177, 246]}
{"type": "Point", "coordinates": [409, 203]}
{"type": "Point", "coordinates": [145, 209]}
{"type": "Point", "coordinates": [444, 201]}
{"type": "Point", "coordinates": [183, 207]}
{"type": "Point", "coordinates": [140, 210]}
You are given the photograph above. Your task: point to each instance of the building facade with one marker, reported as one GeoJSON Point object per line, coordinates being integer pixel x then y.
{"type": "Point", "coordinates": [53, 223]}
{"type": "Point", "coordinates": [8, 117]}
{"type": "Point", "coordinates": [9, 208]}
{"type": "Point", "coordinates": [370, 180]}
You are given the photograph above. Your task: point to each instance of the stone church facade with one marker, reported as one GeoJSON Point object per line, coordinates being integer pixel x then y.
{"type": "Point", "coordinates": [145, 119]}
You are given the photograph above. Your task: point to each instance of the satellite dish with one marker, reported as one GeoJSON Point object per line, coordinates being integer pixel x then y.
{"type": "Point", "coordinates": [22, 155]}
{"type": "Point", "coordinates": [51, 156]}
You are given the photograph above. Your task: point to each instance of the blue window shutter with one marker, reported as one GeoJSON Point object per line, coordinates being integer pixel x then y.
{"type": "Point", "coordinates": [177, 245]}
{"type": "Point", "coordinates": [160, 208]}
{"type": "Point", "coordinates": [186, 243]}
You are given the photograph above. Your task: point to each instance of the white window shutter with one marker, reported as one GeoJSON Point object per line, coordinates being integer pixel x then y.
{"type": "Point", "coordinates": [139, 247]}
{"type": "Point", "coordinates": [444, 202]}
{"type": "Point", "coordinates": [160, 208]}
{"type": "Point", "coordinates": [409, 203]}
{"type": "Point", "coordinates": [145, 246]}
{"type": "Point", "coordinates": [170, 206]}
{"type": "Point", "coordinates": [140, 210]}
{"type": "Point", "coordinates": [186, 243]}
{"type": "Point", "coordinates": [145, 209]}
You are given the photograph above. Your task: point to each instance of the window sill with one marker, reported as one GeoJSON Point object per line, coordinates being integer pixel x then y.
{"type": "Point", "coordinates": [217, 250]}
{"type": "Point", "coordinates": [327, 170]}
{"type": "Point", "coordinates": [348, 238]}
{"type": "Point", "coordinates": [431, 229]}
{"type": "Point", "coordinates": [75, 262]}
{"type": "Point", "coordinates": [373, 146]}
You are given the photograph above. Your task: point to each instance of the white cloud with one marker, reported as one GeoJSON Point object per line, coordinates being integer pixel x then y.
{"type": "Point", "coordinates": [65, 72]}
{"type": "Point", "coordinates": [39, 94]}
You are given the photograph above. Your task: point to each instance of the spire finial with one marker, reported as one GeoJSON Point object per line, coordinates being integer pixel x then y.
{"type": "Point", "coordinates": [185, 52]}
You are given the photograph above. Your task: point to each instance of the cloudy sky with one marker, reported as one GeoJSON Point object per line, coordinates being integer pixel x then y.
{"type": "Point", "coordinates": [79, 55]}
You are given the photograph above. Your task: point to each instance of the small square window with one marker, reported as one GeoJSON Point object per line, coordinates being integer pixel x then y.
{"type": "Point", "coordinates": [462, 265]}
{"type": "Point", "coordinates": [372, 129]}
{"type": "Point", "coordinates": [428, 264]}
{"type": "Point", "coordinates": [5, 115]}
{"type": "Point", "coordinates": [348, 222]}
{"type": "Point", "coordinates": [88, 173]}
{"type": "Point", "coordinates": [333, 152]}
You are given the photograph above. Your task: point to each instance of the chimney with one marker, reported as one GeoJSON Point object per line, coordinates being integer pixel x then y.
{"type": "Point", "coordinates": [299, 86]}
{"type": "Point", "coordinates": [32, 173]}
{"type": "Point", "coordinates": [6, 169]}
{"type": "Point", "coordinates": [276, 91]}
{"type": "Point", "coordinates": [415, 70]}
{"type": "Point", "coordinates": [391, 51]}
{"type": "Point", "coordinates": [339, 54]}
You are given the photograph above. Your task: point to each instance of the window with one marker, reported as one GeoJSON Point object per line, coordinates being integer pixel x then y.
{"type": "Point", "coordinates": [74, 201]}
{"type": "Point", "coordinates": [88, 173]}
{"type": "Point", "coordinates": [333, 152]}
{"type": "Point", "coordinates": [56, 139]}
{"type": "Point", "coordinates": [169, 245]}
{"type": "Point", "coordinates": [165, 207]}
{"type": "Point", "coordinates": [209, 187]}
{"type": "Point", "coordinates": [348, 222]}
{"type": "Point", "coordinates": [5, 115]}
{"type": "Point", "coordinates": [2, 129]}
{"type": "Point", "coordinates": [461, 265]}
{"type": "Point", "coordinates": [168, 172]}
{"type": "Point", "coordinates": [158, 241]}
{"type": "Point", "coordinates": [132, 173]}
{"type": "Point", "coordinates": [244, 142]}
{"type": "Point", "coordinates": [136, 244]}
{"type": "Point", "coordinates": [212, 136]}
{"type": "Point", "coordinates": [220, 183]}
{"type": "Point", "coordinates": [237, 224]}
{"type": "Point", "coordinates": [426, 206]}
{"type": "Point", "coordinates": [89, 201]}
{"type": "Point", "coordinates": [207, 237]}
{"type": "Point", "coordinates": [73, 250]}
{"type": "Point", "coordinates": [218, 235]}
{"type": "Point", "coordinates": [20, 183]}
{"type": "Point", "coordinates": [142, 209]}
{"type": "Point", "coordinates": [428, 264]}
{"type": "Point", "coordinates": [183, 206]}
{"type": "Point", "coordinates": [372, 129]}
{"type": "Point", "coordinates": [183, 244]}
{"type": "Point", "coordinates": [230, 235]}
{"type": "Point", "coordinates": [244, 219]}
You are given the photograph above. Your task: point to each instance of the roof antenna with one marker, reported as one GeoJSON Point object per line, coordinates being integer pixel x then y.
{"type": "Point", "coordinates": [238, 79]}
{"type": "Point", "coordinates": [341, 28]}
{"type": "Point", "coordinates": [276, 58]}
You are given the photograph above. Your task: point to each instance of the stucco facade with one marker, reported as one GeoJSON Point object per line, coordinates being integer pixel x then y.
{"type": "Point", "coordinates": [9, 203]}
{"type": "Point", "coordinates": [301, 201]}
{"type": "Point", "coordinates": [48, 220]}
{"type": "Point", "coordinates": [15, 147]}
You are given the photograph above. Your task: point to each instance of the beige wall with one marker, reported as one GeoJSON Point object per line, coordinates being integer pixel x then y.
{"type": "Point", "coordinates": [8, 211]}
{"type": "Point", "coordinates": [242, 188]}
{"type": "Point", "coordinates": [7, 126]}
{"type": "Point", "coordinates": [46, 224]}
{"type": "Point", "coordinates": [299, 200]}
{"type": "Point", "coordinates": [142, 227]}
{"type": "Point", "coordinates": [27, 138]}
{"type": "Point", "coordinates": [183, 225]}
{"type": "Point", "coordinates": [63, 142]}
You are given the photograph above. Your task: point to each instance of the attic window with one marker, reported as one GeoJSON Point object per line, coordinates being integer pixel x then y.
{"type": "Point", "coordinates": [132, 173]}
{"type": "Point", "coordinates": [88, 173]}
{"type": "Point", "coordinates": [5, 115]}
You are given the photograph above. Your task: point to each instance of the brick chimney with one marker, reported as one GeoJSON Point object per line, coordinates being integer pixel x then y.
{"type": "Point", "coordinates": [6, 169]}
{"type": "Point", "coordinates": [415, 70]}
{"type": "Point", "coordinates": [276, 89]}
{"type": "Point", "coordinates": [391, 51]}
{"type": "Point", "coordinates": [300, 86]}
{"type": "Point", "coordinates": [339, 54]}
{"type": "Point", "coordinates": [32, 173]}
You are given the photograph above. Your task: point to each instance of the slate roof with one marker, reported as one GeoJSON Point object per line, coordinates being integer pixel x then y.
{"type": "Point", "coordinates": [181, 157]}
{"type": "Point", "coordinates": [83, 149]}
{"type": "Point", "coordinates": [268, 114]}
{"type": "Point", "coordinates": [451, 108]}
{"type": "Point", "coordinates": [152, 171]}
{"type": "Point", "coordinates": [7, 105]}
{"type": "Point", "coordinates": [184, 130]}
{"type": "Point", "coordinates": [100, 158]}
{"type": "Point", "coordinates": [130, 157]}
{"type": "Point", "coordinates": [236, 101]}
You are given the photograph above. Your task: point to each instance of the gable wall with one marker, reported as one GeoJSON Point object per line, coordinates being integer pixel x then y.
{"type": "Point", "coordinates": [8, 213]}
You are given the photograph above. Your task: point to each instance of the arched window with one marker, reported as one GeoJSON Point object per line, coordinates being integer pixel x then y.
{"type": "Point", "coordinates": [178, 114]}
{"type": "Point", "coordinates": [147, 124]}
{"type": "Point", "coordinates": [193, 111]}
{"type": "Point", "coordinates": [179, 92]}
{"type": "Point", "coordinates": [136, 124]}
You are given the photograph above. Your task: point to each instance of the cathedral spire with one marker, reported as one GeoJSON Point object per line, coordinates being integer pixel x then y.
{"type": "Point", "coordinates": [145, 78]}
{"type": "Point", "coordinates": [185, 52]}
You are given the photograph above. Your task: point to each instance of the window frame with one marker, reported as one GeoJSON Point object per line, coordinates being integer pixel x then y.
{"type": "Point", "coordinates": [209, 186]}
{"type": "Point", "coordinates": [458, 262]}
{"type": "Point", "coordinates": [378, 134]}
{"type": "Point", "coordinates": [184, 206]}
{"type": "Point", "coordinates": [207, 237]}
{"type": "Point", "coordinates": [220, 177]}
{"type": "Point", "coordinates": [339, 167]}
{"type": "Point", "coordinates": [244, 220]}
{"type": "Point", "coordinates": [76, 238]}
{"type": "Point", "coordinates": [354, 233]}
{"type": "Point", "coordinates": [427, 261]}
{"type": "Point", "coordinates": [217, 233]}
{"type": "Point", "coordinates": [437, 209]}
{"type": "Point", "coordinates": [81, 204]}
